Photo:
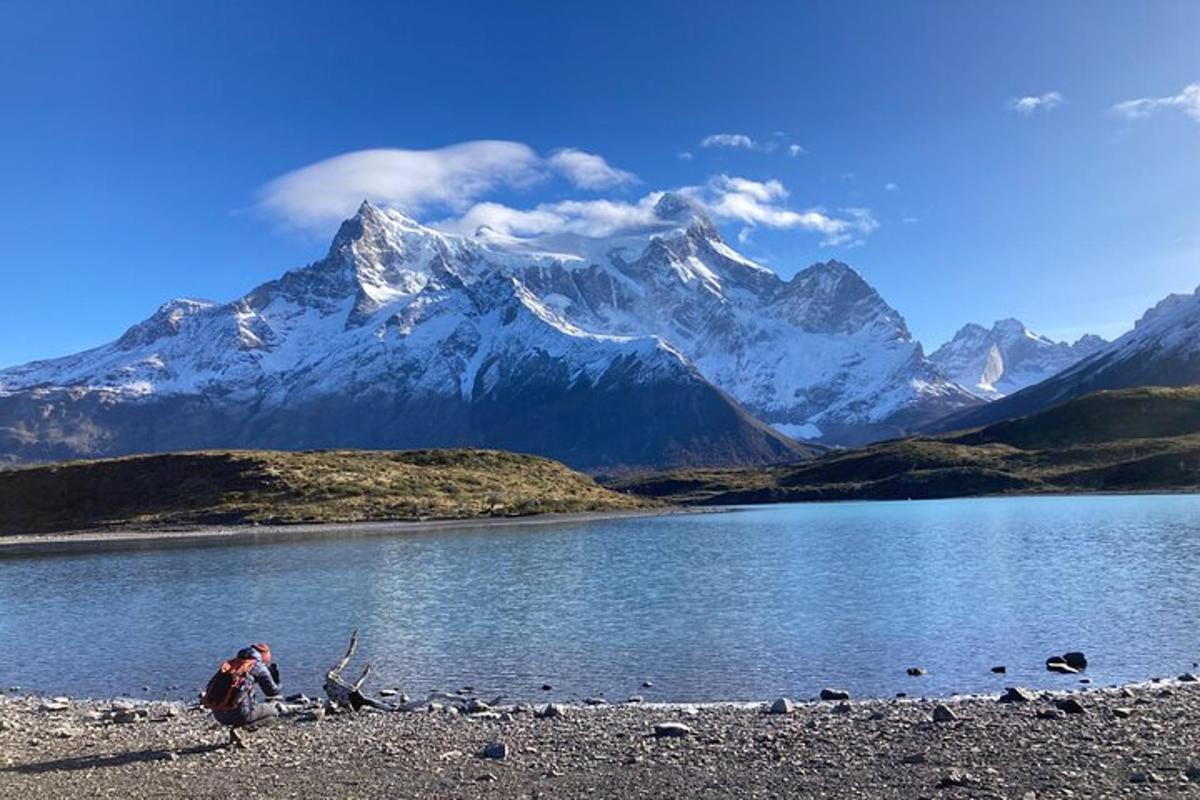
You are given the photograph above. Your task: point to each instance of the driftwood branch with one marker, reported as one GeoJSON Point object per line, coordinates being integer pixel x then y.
{"type": "Point", "coordinates": [350, 694]}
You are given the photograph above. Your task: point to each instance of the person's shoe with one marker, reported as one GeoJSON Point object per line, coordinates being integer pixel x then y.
{"type": "Point", "coordinates": [237, 738]}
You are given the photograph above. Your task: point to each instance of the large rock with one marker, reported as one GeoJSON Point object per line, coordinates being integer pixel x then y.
{"type": "Point", "coordinates": [834, 694]}
{"type": "Point", "coordinates": [672, 730]}
{"type": "Point", "coordinates": [943, 713]}
{"type": "Point", "coordinates": [1075, 659]}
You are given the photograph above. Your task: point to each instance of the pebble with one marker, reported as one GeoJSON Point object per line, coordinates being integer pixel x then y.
{"type": "Point", "coordinates": [783, 705]}
{"type": "Point", "coordinates": [1122, 713]}
{"type": "Point", "coordinates": [955, 777]}
{"type": "Point", "coordinates": [1145, 777]}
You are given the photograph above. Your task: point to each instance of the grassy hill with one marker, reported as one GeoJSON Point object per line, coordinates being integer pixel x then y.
{"type": "Point", "coordinates": [1126, 440]}
{"type": "Point", "coordinates": [205, 488]}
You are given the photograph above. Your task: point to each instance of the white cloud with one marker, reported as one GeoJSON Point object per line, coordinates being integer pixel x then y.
{"type": "Point", "coordinates": [585, 217]}
{"type": "Point", "coordinates": [1031, 103]}
{"type": "Point", "coordinates": [729, 140]}
{"type": "Point", "coordinates": [685, 156]}
{"type": "Point", "coordinates": [412, 180]}
{"type": "Point", "coordinates": [757, 203]}
{"type": "Point", "coordinates": [891, 187]}
{"type": "Point", "coordinates": [1187, 101]}
{"type": "Point", "coordinates": [726, 198]}
{"type": "Point", "coordinates": [417, 181]}
{"type": "Point", "coordinates": [795, 150]}
{"type": "Point", "coordinates": [588, 170]}
{"type": "Point", "coordinates": [911, 220]}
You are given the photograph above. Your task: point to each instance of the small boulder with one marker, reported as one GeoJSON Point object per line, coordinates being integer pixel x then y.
{"type": "Point", "coordinates": [999, 669]}
{"type": "Point", "coordinates": [834, 694]}
{"type": "Point", "coordinates": [915, 672]}
{"type": "Point", "coordinates": [783, 705]}
{"type": "Point", "coordinates": [1075, 659]}
{"type": "Point", "coordinates": [1122, 712]}
{"type": "Point", "coordinates": [1069, 705]}
{"type": "Point", "coordinates": [595, 701]}
{"type": "Point", "coordinates": [55, 704]}
{"type": "Point", "coordinates": [496, 751]}
{"type": "Point", "coordinates": [943, 713]}
{"type": "Point", "coordinates": [550, 711]}
{"type": "Point", "coordinates": [476, 706]}
{"type": "Point", "coordinates": [1016, 694]}
{"type": "Point", "coordinates": [672, 730]}
{"type": "Point", "coordinates": [635, 698]}
{"type": "Point", "coordinates": [388, 692]}
{"type": "Point", "coordinates": [547, 687]}
{"type": "Point", "coordinates": [1056, 664]}
{"type": "Point", "coordinates": [1188, 677]}
{"type": "Point", "coordinates": [1050, 713]}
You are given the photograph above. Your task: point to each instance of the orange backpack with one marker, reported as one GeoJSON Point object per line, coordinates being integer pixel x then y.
{"type": "Point", "coordinates": [224, 690]}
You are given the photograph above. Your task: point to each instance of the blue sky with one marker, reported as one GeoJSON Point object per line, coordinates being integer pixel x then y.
{"type": "Point", "coordinates": [147, 147]}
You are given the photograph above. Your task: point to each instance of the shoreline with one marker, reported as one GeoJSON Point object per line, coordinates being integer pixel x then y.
{"type": "Point", "coordinates": [92, 540]}
{"type": "Point", "coordinates": [1115, 741]}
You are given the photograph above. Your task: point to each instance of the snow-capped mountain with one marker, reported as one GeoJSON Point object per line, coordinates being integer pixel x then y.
{"type": "Point", "coordinates": [1163, 349]}
{"type": "Point", "coordinates": [1007, 358]}
{"type": "Point", "coordinates": [632, 350]}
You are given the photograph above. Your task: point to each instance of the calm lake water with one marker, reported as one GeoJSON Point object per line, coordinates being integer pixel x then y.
{"type": "Point", "coordinates": [743, 605]}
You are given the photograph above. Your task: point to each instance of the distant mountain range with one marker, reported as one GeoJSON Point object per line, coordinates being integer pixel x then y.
{"type": "Point", "coordinates": [1007, 358]}
{"type": "Point", "coordinates": [1163, 349]}
{"type": "Point", "coordinates": [658, 347]}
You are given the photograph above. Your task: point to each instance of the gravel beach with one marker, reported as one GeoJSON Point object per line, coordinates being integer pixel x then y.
{"type": "Point", "coordinates": [1141, 740]}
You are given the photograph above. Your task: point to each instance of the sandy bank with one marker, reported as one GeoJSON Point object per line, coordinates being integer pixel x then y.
{"type": "Point", "coordinates": [134, 539]}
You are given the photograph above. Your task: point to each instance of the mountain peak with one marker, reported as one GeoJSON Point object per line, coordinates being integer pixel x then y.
{"type": "Point", "coordinates": [675, 207]}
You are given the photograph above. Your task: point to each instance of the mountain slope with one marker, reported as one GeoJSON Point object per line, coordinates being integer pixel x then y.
{"type": "Point", "coordinates": [1129, 440]}
{"type": "Point", "coordinates": [640, 349]}
{"type": "Point", "coordinates": [1007, 358]}
{"type": "Point", "coordinates": [1163, 349]}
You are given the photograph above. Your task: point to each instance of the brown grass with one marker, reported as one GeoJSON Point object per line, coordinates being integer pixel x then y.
{"type": "Point", "coordinates": [269, 487]}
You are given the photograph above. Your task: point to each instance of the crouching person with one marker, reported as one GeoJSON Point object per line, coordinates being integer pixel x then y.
{"type": "Point", "coordinates": [230, 694]}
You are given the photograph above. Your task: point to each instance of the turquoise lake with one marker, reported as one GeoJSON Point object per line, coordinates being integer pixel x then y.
{"type": "Point", "coordinates": [744, 605]}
